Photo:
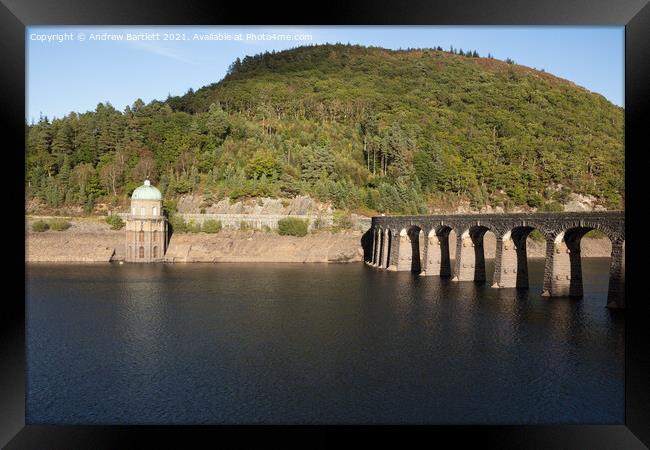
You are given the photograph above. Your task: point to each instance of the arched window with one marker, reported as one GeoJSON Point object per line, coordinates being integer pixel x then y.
{"type": "Point", "coordinates": [141, 252]}
{"type": "Point", "coordinates": [154, 211]}
{"type": "Point", "coordinates": [140, 236]}
{"type": "Point", "coordinates": [142, 210]}
{"type": "Point", "coordinates": [134, 210]}
{"type": "Point", "coordinates": [155, 235]}
{"type": "Point", "coordinates": [155, 252]}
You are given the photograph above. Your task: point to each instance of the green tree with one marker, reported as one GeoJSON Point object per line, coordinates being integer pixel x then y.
{"type": "Point", "coordinates": [263, 163]}
{"type": "Point", "coordinates": [318, 163]}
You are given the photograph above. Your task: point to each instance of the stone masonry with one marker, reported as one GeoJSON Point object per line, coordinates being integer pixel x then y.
{"type": "Point", "coordinates": [421, 244]}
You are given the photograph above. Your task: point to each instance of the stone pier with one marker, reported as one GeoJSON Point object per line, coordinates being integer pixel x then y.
{"type": "Point", "coordinates": [385, 248]}
{"type": "Point", "coordinates": [470, 257]}
{"type": "Point", "coordinates": [511, 261]}
{"type": "Point", "coordinates": [437, 251]}
{"type": "Point", "coordinates": [616, 289]}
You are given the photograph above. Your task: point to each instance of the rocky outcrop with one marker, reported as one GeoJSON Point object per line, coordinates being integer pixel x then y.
{"type": "Point", "coordinates": [578, 202]}
{"type": "Point", "coordinates": [299, 205]}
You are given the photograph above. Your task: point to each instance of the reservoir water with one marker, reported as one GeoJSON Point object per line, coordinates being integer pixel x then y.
{"type": "Point", "coordinates": [315, 343]}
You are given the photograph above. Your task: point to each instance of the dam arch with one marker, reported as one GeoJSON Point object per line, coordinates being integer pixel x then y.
{"type": "Point", "coordinates": [412, 241]}
{"type": "Point", "coordinates": [563, 275]}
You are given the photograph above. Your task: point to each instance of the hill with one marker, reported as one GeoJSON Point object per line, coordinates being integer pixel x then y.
{"type": "Point", "coordinates": [363, 128]}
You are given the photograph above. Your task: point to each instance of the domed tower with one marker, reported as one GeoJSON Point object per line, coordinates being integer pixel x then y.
{"type": "Point", "coordinates": [146, 226]}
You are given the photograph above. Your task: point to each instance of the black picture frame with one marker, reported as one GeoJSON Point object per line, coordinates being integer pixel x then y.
{"type": "Point", "coordinates": [15, 15]}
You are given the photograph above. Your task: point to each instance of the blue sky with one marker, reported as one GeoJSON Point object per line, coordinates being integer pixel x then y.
{"type": "Point", "coordinates": [67, 74]}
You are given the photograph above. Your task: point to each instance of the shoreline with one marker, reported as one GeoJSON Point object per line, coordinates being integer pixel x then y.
{"type": "Point", "coordinates": [96, 246]}
{"type": "Point", "coordinates": [122, 262]}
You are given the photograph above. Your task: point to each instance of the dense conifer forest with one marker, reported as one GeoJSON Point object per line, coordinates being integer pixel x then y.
{"type": "Point", "coordinates": [366, 129]}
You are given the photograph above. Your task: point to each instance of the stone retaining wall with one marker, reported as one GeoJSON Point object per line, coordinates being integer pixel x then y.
{"type": "Point", "coordinates": [67, 246]}
{"type": "Point", "coordinates": [255, 221]}
{"type": "Point", "coordinates": [259, 221]}
{"type": "Point", "coordinates": [265, 247]}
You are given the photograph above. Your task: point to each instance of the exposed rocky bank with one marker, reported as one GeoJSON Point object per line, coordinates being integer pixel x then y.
{"type": "Point", "coordinates": [239, 246]}
{"type": "Point", "coordinates": [91, 240]}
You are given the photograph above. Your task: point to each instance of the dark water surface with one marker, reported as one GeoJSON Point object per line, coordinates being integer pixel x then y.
{"type": "Point", "coordinates": [315, 343]}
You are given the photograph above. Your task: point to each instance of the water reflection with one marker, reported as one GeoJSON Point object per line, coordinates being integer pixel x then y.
{"type": "Point", "coordinates": [292, 343]}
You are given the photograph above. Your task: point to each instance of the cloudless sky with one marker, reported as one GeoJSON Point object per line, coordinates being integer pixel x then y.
{"type": "Point", "coordinates": [75, 75]}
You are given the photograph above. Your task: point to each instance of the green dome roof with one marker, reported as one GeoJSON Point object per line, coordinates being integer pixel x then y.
{"type": "Point", "coordinates": [146, 192]}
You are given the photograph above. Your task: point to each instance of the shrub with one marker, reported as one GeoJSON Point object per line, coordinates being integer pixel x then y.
{"type": "Point", "coordinates": [39, 226]}
{"type": "Point", "coordinates": [115, 222]}
{"type": "Point", "coordinates": [178, 224]}
{"type": "Point", "coordinates": [319, 223]}
{"type": "Point", "coordinates": [193, 227]}
{"type": "Point", "coordinates": [535, 200]}
{"type": "Point", "coordinates": [342, 220]}
{"type": "Point", "coordinates": [59, 224]}
{"type": "Point", "coordinates": [169, 207]}
{"type": "Point", "coordinates": [206, 202]}
{"type": "Point", "coordinates": [552, 206]}
{"type": "Point", "coordinates": [245, 226]}
{"type": "Point", "coordinates": [292, 226]}
{"type": "Point", "coordinates": [263, 163]}
{"type": "Point", "coordinates": [89, 205]}
{"type": "Point", "coordinates": [211, 226]}
{"type": "Point", "coordinates": [182, 187]}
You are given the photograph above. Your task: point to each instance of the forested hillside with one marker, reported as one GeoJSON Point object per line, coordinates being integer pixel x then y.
{"type": "Point", "coordinates": [365, 128]}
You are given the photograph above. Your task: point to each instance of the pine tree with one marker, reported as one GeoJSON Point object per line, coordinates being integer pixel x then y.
{"type": "Point", "coordinates": [62, 142]}
{"type": "Point", "coordinates": [368, 128]}
{"type": "Point", "coordinates": [64, 172]}
{"type": "Point", "coordinates": [138, 105]}
{"type": "Point", "coordinates": [317, 165]}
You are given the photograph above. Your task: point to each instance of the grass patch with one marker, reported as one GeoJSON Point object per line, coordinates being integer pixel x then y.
{"type": "Point", "coordinates": [211, 226]}
{"type": "Point", "coordinates": [59, 224]}
{"type": "Point", "coordinates": [536, 236]}
{"type": "Point", "coordinates": [595, 234]}
{"type": "Point", "coordinates": [39, 226]}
